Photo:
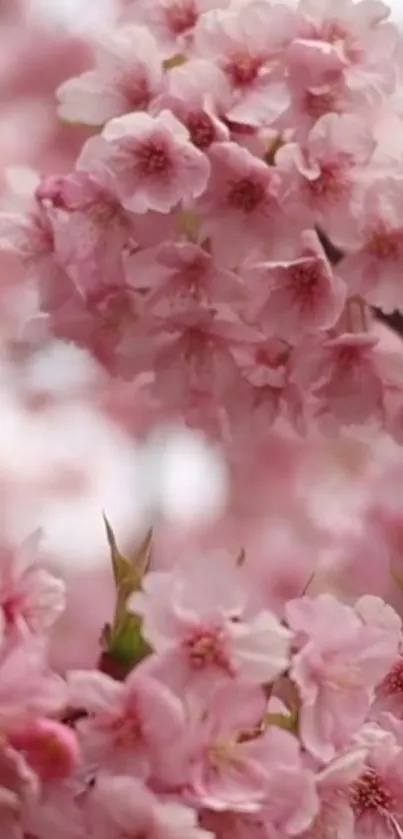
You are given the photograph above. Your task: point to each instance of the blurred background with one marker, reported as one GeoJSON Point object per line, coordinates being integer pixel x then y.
{"type": "Point", "coordinates": [69, 447]}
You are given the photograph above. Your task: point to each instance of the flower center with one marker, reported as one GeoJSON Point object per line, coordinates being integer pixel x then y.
{"type": "Point", "coordinates": [394, 680]}
{"type": "Point", "coordinates": [127, 729]}
{"type": "Point", "coordinates": [223, 753]}
{"type": "Point", "coordinates": [201, 129]}
{"type": "Point", "coordinates": [383, 244]}
{"type": "Point", "coordinates": [331, 184]}
{"type": "Point", "coordinates": [182, 16]}
{"type": "Point", "coordinates": [243, 69]}
{"type": "Point", "coordinates": [305, 276]}
{"type": "Point", "coordinates": [320, 104]}
{"type": "Point", "coordinates": [153, 159]}
{"type": "Point", "coordinates": [369, 793]}
{"type": "Point", "coordinates": [204, 648]}
{"type": "Point", "coordinates": [246, 194]}
{"type": "Point", "coordinates": [136, 92]}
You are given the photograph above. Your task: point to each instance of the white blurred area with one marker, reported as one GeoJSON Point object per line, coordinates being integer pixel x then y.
{"type": "Point", "coordinates": [79, 16]}
{"type": "Point", "coordinates": [65, 463]}
{"type": "Point", "coordinates": [397, 9]}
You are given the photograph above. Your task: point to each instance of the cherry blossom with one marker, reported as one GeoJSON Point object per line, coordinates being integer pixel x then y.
{"type": "Point", "coordinates": [336, 677]}
{"type": "Point", "coordinates": [149, 162]}
{"type": "Point", "coordinates": [127, 78]}
{"type": "Point", "coordinates": [199, 627]}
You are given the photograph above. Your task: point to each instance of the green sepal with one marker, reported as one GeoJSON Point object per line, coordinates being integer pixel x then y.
{"type": "Point", "coordinates": [122, 642]}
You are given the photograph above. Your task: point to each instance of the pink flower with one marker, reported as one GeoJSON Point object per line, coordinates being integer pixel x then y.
{"type": "Point", "coordinates": [292, 800]}
{"type": "Point", "coordinates": [296, 297]}
{"type": "Point", "coordinates": [336, 151]}
{"type": "Point", "coordinates": [197, 93]}
{"type": "Point", "coordinates": [242, 202]}
{"type": "Point", "coordinates": [374, 244]}
{"type": "Point", "coordinates": [199, 625]}
{"type": "Point", "coordinates": [129, 725]}
{"type": "Point", "coordinates": [30, 596]}
{"type": "Point", "coordinates": [96, 228]}
{"type": "Point", "coordinates": [173, 22]}
{"type": "Point", "coordinates": [376, 795]}
{"type": "Point", "coordinates": [343, 374]}
{"type": "Point", "coordinates": [149, 161]}
{"type": "Point", "coordinates": [34, 239]}
{"type": "Point", "coordinates": [27, 687]}
{"type": "Point", "coordinates": [333, 785]}
{"type": "Point", "coordinates": [340, 661]}
{"type": "Point", "coordinates": [243, 41]}
{"type": "Point", "coordinates": [127, 78]}
{"type": "Point", "coordinates": [229, 752]}
{"type": "Point", "coordinates": [101, 316]}
{"type": "Point", "coordinates": [121, 806]}
{"type": "Point", "coordinates": [180, 275]}
{"type": "Point", "coordinates": [359, 36]}
{"type": "Point", "coordinates": [194, 352]}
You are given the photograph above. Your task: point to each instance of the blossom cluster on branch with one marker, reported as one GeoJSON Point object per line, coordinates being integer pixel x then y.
{"type": "Point", "coordinates": [234, 215]}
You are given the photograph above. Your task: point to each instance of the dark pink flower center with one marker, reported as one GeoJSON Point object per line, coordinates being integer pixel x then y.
{"type": "Point", "coordinates": [332, 183]}
{"type": "Point", "coordinates": [393, 684]}
{"type": "Point", "coordinates": [127, 729]}
{"type": "Point", "coordinates": [246, 194]}
{"type": "Point", "coordinates": [153, 159]}
{"type": "Point", "coordinates": [243, 69]}
{"type": "Point", "coordinates": [304, 277]}
{"type": "Point", "coordinates": [182, 16]}
{"type": "Point", "coordinates": [384, 244]}
{"type": "Point", "coordinates": [136, 92]}
{"type": "Point", "coordinates": [205, 648]}
{"type": "Point", "coordinates": [320, 104]}
{"type": "Point", "coordinates": [370, 793]}
{"type": "Point", "coordinates": [201, 129]}
{"type": "Point", "coordinates": [115, 307]}
{"type": "Point", "coordinates": [12, 607]}
{"type": "Point", "coordinates": [333, 32]}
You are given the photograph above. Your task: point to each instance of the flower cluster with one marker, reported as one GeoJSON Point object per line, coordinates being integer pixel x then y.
{"type": "Point", "coordinates": [235, 148]}
{"type": "Point", "coordinates": [208, 713]}
{"type": "Point", "coordinates": [232, 219]}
